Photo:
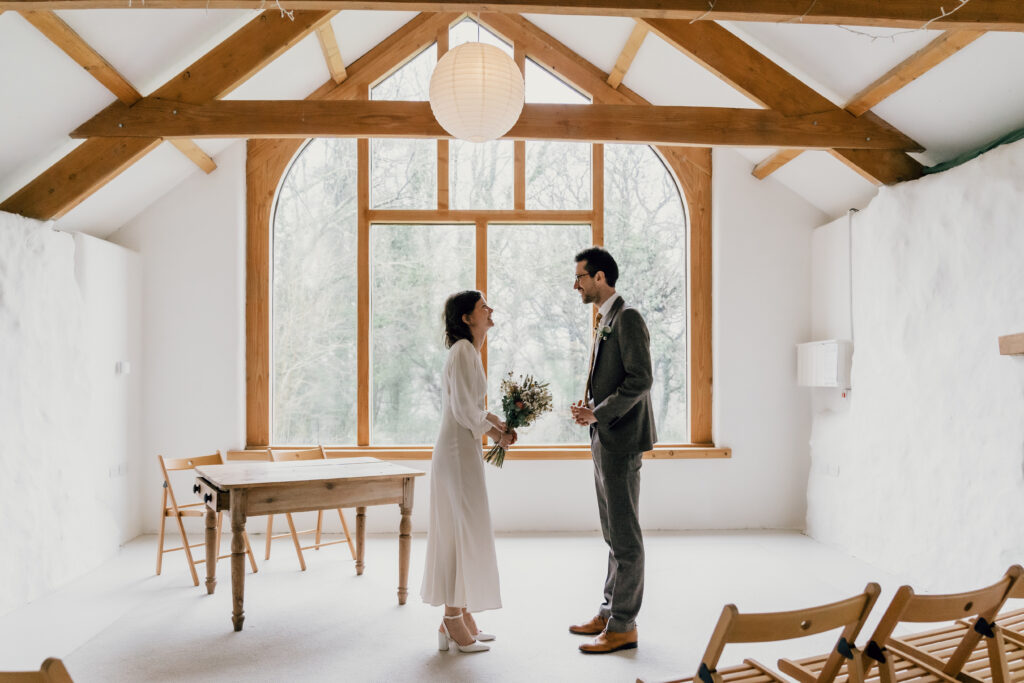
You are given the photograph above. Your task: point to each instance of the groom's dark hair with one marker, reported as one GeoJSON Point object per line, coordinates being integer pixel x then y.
{"type": "Point", "coordinates": [598, 259]}
{"type": "Point", "coordinates": [458, 305]}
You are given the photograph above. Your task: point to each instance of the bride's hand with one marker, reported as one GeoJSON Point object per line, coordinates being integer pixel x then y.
{"type": "Point", "coordinates": [515, 436]}
{"type": "Point", "coordinates": [507, 439]}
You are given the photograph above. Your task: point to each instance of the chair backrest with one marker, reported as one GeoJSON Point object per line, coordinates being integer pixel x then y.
{"type": "Point", "coordinates": [178, 464]}
{"type": "Point", "coordinates": [52, 671]}
{"type": "Point", "coordinates": [734, 627]}
{"type": "Point", "coordinates": [978, 606]}
{"type": "Point", "coordinates": [283, 455]}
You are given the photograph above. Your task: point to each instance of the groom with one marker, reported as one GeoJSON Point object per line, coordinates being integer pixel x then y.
{"type": "Point", "coordinates": [617, 407]}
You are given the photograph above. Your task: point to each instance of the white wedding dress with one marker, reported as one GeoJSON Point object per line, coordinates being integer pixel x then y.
{"type": "Point", "coordinates": [461, 568]}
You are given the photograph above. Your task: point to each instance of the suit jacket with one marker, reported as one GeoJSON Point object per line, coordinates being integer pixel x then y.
{"type": "Point", "coordinates": [621, 382]}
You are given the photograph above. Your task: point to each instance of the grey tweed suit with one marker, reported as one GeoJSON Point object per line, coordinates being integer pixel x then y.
{"type": "Point", "coordinates": [620, 385]}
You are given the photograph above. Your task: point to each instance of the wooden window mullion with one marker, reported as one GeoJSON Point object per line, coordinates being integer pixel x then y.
{"type": "Point", "coordinates": [519, 147]}
{"type": "Point", "coordinates": [363, 294]}
{"type": "Point", "coordinates": [443, 146]}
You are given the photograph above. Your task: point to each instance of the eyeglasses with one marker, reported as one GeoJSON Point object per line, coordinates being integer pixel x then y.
{"type": "Point", "coordinates": [579, 275]}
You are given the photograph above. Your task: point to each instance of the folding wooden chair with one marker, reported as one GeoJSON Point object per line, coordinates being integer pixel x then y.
{"type": "Point", "coordinates": [944, 654]}
{"type": "Point", "coordinates": [1006, 641]}
{"type": "Point", "coordinates": [734, 627]}
{"type": "Point", "coordinates": [317, 453]}
{"type": "Point", "coordinates": [189, 510]}
{"type": "Point", "coordinates": [52, 671]}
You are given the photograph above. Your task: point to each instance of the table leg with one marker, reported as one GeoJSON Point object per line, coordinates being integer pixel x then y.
{"type": "Point", "coordinates": [211, 551]}
{"type": "Point", "coordinates": [404, 544]}
{"type": "Point", "coordinates": [360, 539]}
{"type": "Point", "coordinates": [238, 500]}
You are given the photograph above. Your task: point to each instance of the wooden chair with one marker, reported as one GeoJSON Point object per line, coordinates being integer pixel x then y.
{"type": "Point", "coordinates": [941, 654]}
{"type": "Point", "coordinates": [1006, 643]}
{"type": "Point", "coordinates": [188, 510]}
{"type": "Point", "coordinates": [734, 627]}
{"type": "Point", "coordinates": [52, 671]}
{"type": "Point", "coordinates": [318, 453]}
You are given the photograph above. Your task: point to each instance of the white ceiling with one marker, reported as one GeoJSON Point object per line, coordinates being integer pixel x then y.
{"type": "Point", "coordinates": [968, 100]}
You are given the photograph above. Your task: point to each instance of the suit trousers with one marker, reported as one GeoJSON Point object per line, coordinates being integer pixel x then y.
{"type": "Point", "coordinates": [617, 479]}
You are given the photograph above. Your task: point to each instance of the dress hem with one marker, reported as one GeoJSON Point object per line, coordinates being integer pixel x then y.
{"type": "Point", "coordinates": [473, 610]}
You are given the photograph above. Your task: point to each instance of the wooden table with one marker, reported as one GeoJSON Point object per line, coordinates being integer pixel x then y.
{"type": "Point", "coordinates": [246, 489]}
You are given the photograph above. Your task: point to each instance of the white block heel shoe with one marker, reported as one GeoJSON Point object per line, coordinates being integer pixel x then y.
{"type": "Point", "coordinates": [445, 640]}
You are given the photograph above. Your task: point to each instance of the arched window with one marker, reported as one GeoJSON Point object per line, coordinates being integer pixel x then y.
{"type": "Point", "coordinates": [359, 276]}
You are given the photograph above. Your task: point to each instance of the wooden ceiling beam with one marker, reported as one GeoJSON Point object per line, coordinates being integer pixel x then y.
{"type": "Point", "coordinates": [768, 84]}
{"type": "Point", "coordinates": [907, 71]}
{"type": "Point", "coordinates": [195, 154]}
{"type": "Point", "coordinates": [332, 55]}
{"type": "Point", "coordinates": [64, 37]}
{"type": "Point", "coordinates": [694, 126]}
{"type": "Point", "coordinates": [985, 15]}
{"type": "Point", "coordinates": [912, 68]}
{"type": "Point", "coordinates": [387, 56]}
{"type": "Point", "coordinates": [95, 162]}
{"type": "Point", "coordinates": [547, 51]}
{"type": "Point", "coordinates": [774, 162]}
{"type": "Point", "coordinates": [628, 54]}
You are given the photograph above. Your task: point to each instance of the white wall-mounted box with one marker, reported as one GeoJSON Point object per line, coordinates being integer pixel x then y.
{"type": "Point", "coordinates": [824, 363]}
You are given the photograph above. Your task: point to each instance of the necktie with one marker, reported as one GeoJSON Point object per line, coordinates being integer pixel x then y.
{"type": "Point", "coordinates": [593, 349]}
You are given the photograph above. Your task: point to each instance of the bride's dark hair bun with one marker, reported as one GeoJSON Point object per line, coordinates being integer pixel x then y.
{"type": "Point", "coordinates": [458, 305]}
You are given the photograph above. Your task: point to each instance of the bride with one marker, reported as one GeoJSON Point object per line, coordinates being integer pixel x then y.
{"type": "Point", "coordinates": [461, 570]}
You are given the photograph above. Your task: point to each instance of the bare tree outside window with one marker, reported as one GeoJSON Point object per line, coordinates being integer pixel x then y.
{"type": "Point", "coordinates": [314, 298]}
{"type": "Point", "coordinates": [413, 270]}
{"type": "Point", "coordinates": [541, 327]}
{"type": "Point", "coordinates": [403, 173]}
{"type": "Point", "coordinates": [645, 229]}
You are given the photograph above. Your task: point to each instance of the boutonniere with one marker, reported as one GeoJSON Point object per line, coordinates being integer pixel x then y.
{"type": "Point", "coordinates": [604, 332]}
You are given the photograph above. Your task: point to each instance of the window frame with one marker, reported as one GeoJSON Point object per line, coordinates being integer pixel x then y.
{"type": "Point", "coordinates": [267, 163]}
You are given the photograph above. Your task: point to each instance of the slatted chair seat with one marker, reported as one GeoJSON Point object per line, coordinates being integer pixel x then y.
{"type": "Point", "coordinates": [839, 666]}
{"type": "Point", "coordinates": [808, 670]}
{"type": "Point", "coordinates": [1009, 625]}
{"type": "Point", "coordinates": [750, 671]}
{"type": "Point", "coordinates": [1013, 620]}
{"type": "Point", "coordinates": [954, 652]}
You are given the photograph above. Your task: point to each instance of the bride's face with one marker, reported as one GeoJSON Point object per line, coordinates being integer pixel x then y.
{"type": "Point", "coordinates": [479, 321]}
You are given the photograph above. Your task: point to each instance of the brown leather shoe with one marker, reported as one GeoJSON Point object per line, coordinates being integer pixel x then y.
{"type": "Point", "coordinates": [591, 628]}
{"type": "Point", "coordinates": [610, 641]}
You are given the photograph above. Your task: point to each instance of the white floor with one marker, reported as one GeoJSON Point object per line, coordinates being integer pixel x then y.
{"type": "Point", "coordinates": [123, 623]}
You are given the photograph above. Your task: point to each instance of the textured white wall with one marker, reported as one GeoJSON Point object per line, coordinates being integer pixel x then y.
{"type": "Point", "coordinates": [192, 242]}
{"type": "Point", "coordinates": [68, 312]}
{"type": "Point", "coordinates": [920, 473]}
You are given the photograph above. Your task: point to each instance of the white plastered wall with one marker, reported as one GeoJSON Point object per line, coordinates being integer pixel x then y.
{"type": "Point", "coordinates": [920, 471]}
{"type": "Point", "coordinates": [192, 242]}
{"type": "Point", "coordinates": [69, 311]}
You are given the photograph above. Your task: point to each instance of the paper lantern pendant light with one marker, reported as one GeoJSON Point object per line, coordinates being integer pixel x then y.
{"type": "Point", "coordinates": [476, 92]}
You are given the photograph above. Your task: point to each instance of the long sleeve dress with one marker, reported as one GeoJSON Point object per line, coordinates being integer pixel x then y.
{"type": "Point", "coordinates": [461, 567]}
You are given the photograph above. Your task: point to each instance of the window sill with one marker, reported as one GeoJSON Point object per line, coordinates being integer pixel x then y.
{"type": "Point", "coordinates": [576, 452]}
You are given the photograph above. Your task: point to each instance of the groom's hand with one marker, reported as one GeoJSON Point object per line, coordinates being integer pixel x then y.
{"type": "Point", "coordinates": [585, 416]}
{"type": "Point", "coordinates": [582, 414]}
